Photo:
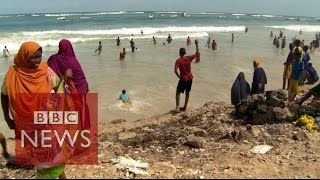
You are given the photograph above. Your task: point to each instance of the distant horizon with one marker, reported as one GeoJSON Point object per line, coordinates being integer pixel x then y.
{"type": "Point", "coordinates": [178, 11]}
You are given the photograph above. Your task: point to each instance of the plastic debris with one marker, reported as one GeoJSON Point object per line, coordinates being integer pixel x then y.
{"type": "Point", "coordinates": [261, 149]}
{"type": "Point", "coordinates": [133, 166]}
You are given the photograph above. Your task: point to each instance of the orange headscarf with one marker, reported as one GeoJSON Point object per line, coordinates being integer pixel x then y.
{"type": "Point", "coordinates": [257, 62]}
{"type": "Point", "coordinates": [21, 79]}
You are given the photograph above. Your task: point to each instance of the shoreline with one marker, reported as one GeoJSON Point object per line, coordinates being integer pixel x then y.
{"type": "Point", "coordinates": [161, 140]}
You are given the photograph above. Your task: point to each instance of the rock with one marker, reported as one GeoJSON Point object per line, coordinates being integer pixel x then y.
{"type": "Point", "coordinates": [118, 121]}
{"type": "Point", "coordinates": [196, 131]}
{"type": "Point", "coordinates": [127, 135]}
{"type": "Point", "coordinates": [246, 141]}
{"type": "Point", "coordinates": [194, 141]}
{"type": "Point", "coordinates": [262, 108]}
{"type": "Point", "coordinates": [254, 130]}
{"type": "Point", "coordinates": [300, 136]}
{"type": "Point", "coordinates": [281, 115]}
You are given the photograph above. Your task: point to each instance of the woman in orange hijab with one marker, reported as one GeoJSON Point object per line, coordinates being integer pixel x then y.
{"type": "Point", "coordinates": [27, 75]}
{"type": "Point", "coordinates": [21, 93]}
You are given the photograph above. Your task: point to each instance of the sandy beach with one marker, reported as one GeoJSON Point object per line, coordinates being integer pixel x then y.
{"type": "Point", "coordinates": [206, 141]}
{"type": "Point", "coordinates": [221, 149]}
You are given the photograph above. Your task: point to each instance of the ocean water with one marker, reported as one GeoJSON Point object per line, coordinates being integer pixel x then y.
{"type": "Point", "coordinates": [148, 74]}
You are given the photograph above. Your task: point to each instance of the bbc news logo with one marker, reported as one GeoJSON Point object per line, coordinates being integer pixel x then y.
{"type": "Point", "coordinates": [56, 117]}
{"type": "Point", "coordinates": [50, 130]}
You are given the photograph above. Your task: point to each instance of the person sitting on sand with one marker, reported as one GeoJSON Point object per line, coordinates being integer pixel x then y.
{"type": "Point", "coordinates": [122, 54]}
{"type": "Point", "coordinates": [305, 59]}
{"type": "Point", "coordinates": [311, 74]}
{"type": "Point", "coordinates": [185, 76]}
{"type": "Point", "coordinates": [240, 89]}
{"type": "Point", "coordinates": [259, 78]}
{"type": "Point", "coordinates": [124, 97]}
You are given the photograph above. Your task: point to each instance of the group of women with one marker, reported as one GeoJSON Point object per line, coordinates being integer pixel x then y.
{"type": "Point", "coordinates": [241, 88]}
{"type": "Point", "coordinates": [29, 75]}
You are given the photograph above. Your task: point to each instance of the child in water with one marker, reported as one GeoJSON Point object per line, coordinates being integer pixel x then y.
{"type": "Point", "coordinates": [124, 97]}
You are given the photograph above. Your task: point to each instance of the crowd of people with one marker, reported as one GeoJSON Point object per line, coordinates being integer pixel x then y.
{"type": "Point", "coordinates": [297, 70]}
{"type": "Point", "coordinates": [30, 75]}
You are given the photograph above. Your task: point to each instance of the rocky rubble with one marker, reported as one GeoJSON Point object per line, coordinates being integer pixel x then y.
{"type": "Point", "coordinates": [213, 141]}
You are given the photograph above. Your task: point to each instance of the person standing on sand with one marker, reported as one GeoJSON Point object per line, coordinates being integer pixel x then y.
{"type": "Point", "coordinates": [288, 67]}
{"type": "Point", "coordinates": [297, 69]}
{"type": "Point", "coordinates": [118, 41]}
{"type": "Point", "coordinates": [240, 89]}
{"type": "Point", "coordinates": [232, 40]}
{"type": "Point", "coordinates": [188, 41]}
{"type": "Point", "coordinates": [259, 78]}
{"type": "Point", "coordinates": [185, 76]}
{"type": "Point", "coordinates": [30, 76]}
{"type": "Point", "coordinates": [99, 48]}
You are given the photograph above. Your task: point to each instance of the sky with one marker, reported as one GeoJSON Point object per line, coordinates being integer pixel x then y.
{"type": "Point", "coordinates": [274, 7]}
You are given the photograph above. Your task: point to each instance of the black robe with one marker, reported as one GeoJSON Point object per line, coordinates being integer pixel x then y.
{"type": "Point", "coordinates": [240, 89]}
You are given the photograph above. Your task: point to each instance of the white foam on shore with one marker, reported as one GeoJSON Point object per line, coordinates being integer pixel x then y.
{"type": "Point", "coordinates": [207, 13]}
{"type": "Point", "coordinates": [105, 13]}
{"type": "Point", "coordinates": [163, 12]}
{"type": "Point", "coordinates": [136, 107]}
{"type": "Point", "coordinates": [269, 16]}
{"type": "Point", "coordinates": [58, 15]}
{"type": "Point", "coordinates": [146, 30]}
{"type": "Point", "coordinates": [238, 14]}
{"type": "Point", "coordinates": [85, 17]}
{"type": "Point", "coordinates": [53, 37]}
{"type": "Point", "coordinates": [5, 16]}
{"type": "Point", "coordinates": [308, 28]}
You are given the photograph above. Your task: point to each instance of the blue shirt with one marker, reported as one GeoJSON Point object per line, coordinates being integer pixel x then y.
{"type": "Point", "coordinates": [297, 68]}
{"type": "Point", "coordinates": [313, 73]}
{"type": "Point", "coordinates": [306, 59]}
{"type": "Point", "coordinates": [124, 97]}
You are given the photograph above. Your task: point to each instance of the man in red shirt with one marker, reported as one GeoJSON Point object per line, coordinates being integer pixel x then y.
{"type": "Point", "coordinates": [185, 76]}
